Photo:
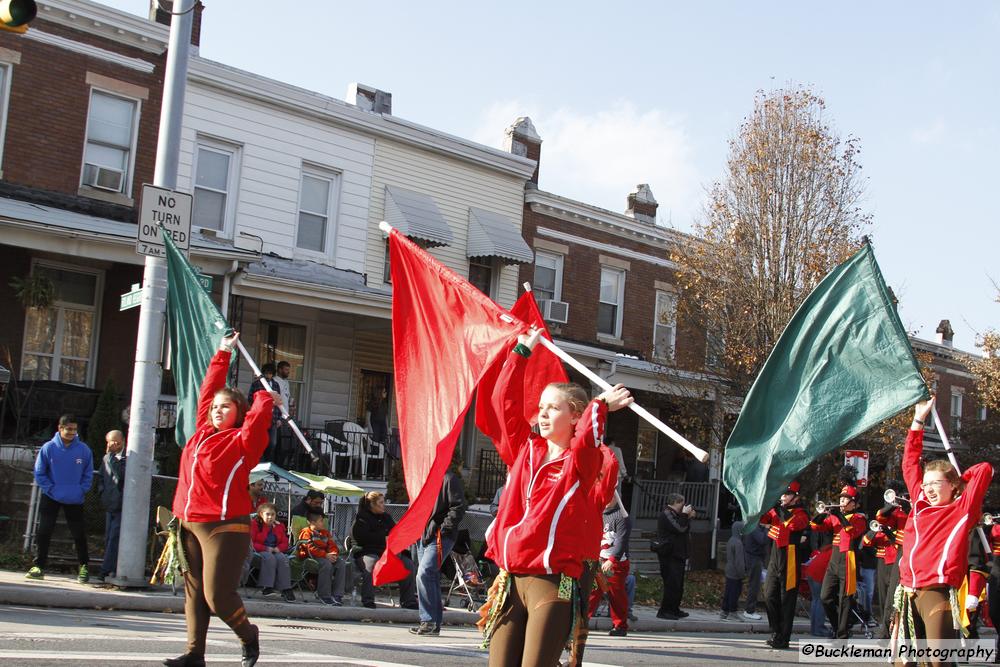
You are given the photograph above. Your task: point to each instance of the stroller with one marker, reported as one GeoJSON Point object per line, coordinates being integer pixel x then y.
{"type": "Point", "coordinates": [468, 580]}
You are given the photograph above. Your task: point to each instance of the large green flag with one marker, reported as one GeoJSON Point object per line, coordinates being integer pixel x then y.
{"type": "Point", "coordinates": [195, 326]}
{"type": "Point", "coordinates": [842, 365]}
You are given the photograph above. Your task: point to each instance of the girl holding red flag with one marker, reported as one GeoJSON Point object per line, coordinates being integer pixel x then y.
{"type": "Point", "coordinates": [946, 506]}
{"type": "Point", "coordinates": [213, 507]}
{"type": "Point", "coordinates": [542, 529]}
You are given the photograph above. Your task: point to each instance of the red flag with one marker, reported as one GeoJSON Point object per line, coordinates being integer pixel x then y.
{"type": "Point", "coordinates": [445, 334]}
{"type": "Point", "coordinates": [543, 368]}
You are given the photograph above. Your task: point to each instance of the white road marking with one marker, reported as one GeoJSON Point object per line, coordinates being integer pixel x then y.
{"type": "Point", "coordinates": [287, 658]}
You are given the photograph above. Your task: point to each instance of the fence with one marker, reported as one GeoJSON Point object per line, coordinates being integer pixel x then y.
{"type": "Point", "coordinates": [650, 496]}
{"type": "Point", "coordinates": [492, 473]}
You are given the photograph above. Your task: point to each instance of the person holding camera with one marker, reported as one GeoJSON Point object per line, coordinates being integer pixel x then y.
{"type": "Point", "coordinates": [672, 536]}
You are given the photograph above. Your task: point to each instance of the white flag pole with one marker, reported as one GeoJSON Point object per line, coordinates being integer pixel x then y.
{"type": "Point", "coordinates": [284, 409]}
{"type": "Point", "coordinates": [954, 461]}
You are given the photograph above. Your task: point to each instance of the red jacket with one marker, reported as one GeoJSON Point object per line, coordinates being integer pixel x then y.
{"type": "Point", "coordinates": [258, 533]}
{"type": "Point", "coordinates": [994, 536]}
{"type": "Point", "coordinates": [936, 543]}
{"type": "Point", "coordinates": [885, 547]}
{"type": "Point", "coordinates": [845, 536]}
{"type": "Point", "coordinates": [600, 495]}
{"type": "Point", "coordinates": [897, 522]}
{"type": "Point", "coordinates": [215, 465]}
{"type": "Point", "coordinates": [781, 529]}
{"type": "Point", "coordinates": [316, 543]}
{"type": "Point", "coordinates": [542, 527]}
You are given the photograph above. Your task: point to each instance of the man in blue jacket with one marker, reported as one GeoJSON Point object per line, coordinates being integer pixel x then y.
{"type": "Point", "coordinates": [64, 470]}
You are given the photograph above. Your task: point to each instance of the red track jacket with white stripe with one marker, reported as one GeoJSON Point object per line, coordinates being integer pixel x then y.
{"type": "Point", "coordinates": [542, 525]}
{"type": "Point", "coordinates": [215, 465]}
{"type": "Point", "coordinates": [600, 495]}
{"type": "Point", "coordinates": [936, 540]}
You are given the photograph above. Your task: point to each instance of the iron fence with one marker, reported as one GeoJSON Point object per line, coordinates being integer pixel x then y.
{"type": "Point", "coordinates": [649, 497]}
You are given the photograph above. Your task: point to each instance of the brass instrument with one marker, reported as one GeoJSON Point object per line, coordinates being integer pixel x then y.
{"type": "Point", "coordinates": [890, 497]}
{"type": "Point", "coordinates": [823, 508]}
{"type": "Point", "coordinates": [874, 526]}
{"type": "Point", "coordinates": [988, 519]}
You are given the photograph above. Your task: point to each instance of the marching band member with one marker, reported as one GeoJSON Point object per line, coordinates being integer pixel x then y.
{"type": "Point", "coordinates": [892, 519]}
{"type": "Point", "coordinates": [935, 546]}
{"type": "Point", "coordinates": [840, 584]}
{"type": "Point", "coordinates": [787, 521]}
{"type": "Point", "coordinates": [993, 597]}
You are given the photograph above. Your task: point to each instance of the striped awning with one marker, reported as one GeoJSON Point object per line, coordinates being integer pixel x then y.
{"type": "Point", "coordinates": [495, 235]}
{"type": "Point", "coordinates": [416, 216]}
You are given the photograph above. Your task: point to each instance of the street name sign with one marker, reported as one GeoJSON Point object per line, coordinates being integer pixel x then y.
{"type": "Point", "coordinates": [171, 209]}
{"type": "Point", "coordinates": [131, 299]}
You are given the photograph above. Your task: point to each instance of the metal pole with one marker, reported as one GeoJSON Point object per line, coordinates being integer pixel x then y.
{"type": "Point", "coordinates": [29, 528]}
{"type": "Point", "coordinates": [951, 456]}
{"type": "Point", "coordinates": [149, 342]}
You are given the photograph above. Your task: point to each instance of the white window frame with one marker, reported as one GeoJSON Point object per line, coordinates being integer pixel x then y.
{"type": "Point", "coordinates": [98, 303]}
{"type": "Point", "coordinates": [494, 268]}
{"type": "Point", "coordinates": [332, 216]}
{"type": "Point", "coordinates": [981, 413]}
{"type": "Point", "coordinates": [620, 304]}
{"type": "Point", "coordinates": [656, 324]}
{"type": "Point", "coordinates": [8, 73]}
{"type": "Point", "coordinates": [558, 259]}
{"type": "Point", "coordinates": [232, 180]}
{"type": "Point", "coordinates": [136, 116]}
{"type": "Point", "coordinates": [956, 416]}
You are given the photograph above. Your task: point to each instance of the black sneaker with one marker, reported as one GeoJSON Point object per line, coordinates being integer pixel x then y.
{"type": "Point", "coordinates": [251, 650]}
{"type": "Point", "coordinates": [681, 614]}
{"type": "Point", "coordinates": [667, 616]}
{"type": "Point", "coordinates": [288, 595]}
{"type": "Point", "coordinates": [412, 606]}
{"type": "Point", "coordinates": [270, 593]}
{"type": "Point", "coordinates": [618, 632]}
{"type": "Point", "coordinates": [186, 660]}
{"type": "Point", "coordinates": [426, 629]}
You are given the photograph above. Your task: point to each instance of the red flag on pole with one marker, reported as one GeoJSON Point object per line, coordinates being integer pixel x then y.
{"type": "Point", "coordinates": [543, 368]}
{"type": "Point", "coordinates": [445, 335]}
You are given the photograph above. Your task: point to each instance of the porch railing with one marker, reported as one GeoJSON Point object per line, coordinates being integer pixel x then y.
{"type": "Point", "coordinates": [649, 497]}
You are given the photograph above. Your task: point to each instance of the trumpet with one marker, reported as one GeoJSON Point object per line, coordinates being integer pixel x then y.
{"type": "Point", "coordinates": [823, 508]}
{"type": "Point", "coordinates": [874, 526]}
{"type": "Point", "coordinates": [988, 519]}
{"type": "Point", "coordinates": [890, 497]}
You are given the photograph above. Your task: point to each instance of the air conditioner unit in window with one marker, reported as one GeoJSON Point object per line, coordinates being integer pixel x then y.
{"type": "Point", "coordinates": [555, 311]}
{"type": "Point", "coordinates": [103, 178]}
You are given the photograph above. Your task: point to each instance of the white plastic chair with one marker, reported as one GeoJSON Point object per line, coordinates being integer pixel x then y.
{"type": "Point", "coordinates": [365, 447]}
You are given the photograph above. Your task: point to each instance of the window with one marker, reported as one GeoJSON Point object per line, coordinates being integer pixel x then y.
{"type": "Point", "coordinates": [5, 71]}
{"type": "Point", "coordinates": [316, 197]}
{"type": "Point", "coordinates": [285, 342]}
{"type": "Point", "coordinates": [547, 284]}
{"type": "Point", "coordinates": [665, 325]}
{"type": "Point", "coordinates": [715, 348]}
{"type": "Point", "coordinates": [213, 186]}
{"type": "Point", "coordinates": [646, 451]}
{"type": "Point", "coordinates": [956, 413]}
{"type": "Point", "coordinates": [59, 341]}
{"type": "Point", "coordinates": [481, 275]}
{"type": "Point", "coordinates": [111, 135]}
{"type": "Point", "coordinates": [609, 308]}
{"type": "Point", "coordinates": [982, 413]}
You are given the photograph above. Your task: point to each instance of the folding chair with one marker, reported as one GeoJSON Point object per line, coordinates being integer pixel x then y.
{"type": "Point", "coordinates": [353, 575]}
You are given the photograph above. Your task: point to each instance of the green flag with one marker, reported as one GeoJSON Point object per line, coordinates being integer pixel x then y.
{"type": "Point", "coordinates": [195, 326]}
{"type": "Point", "coordinates": [842, 365]}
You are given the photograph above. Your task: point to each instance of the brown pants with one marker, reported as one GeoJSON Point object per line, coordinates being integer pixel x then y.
{"type": "Point", "coordinates": [932, 619]}
{"type": "Point", "coordinates": [214, 551]}
{"type": "Point", "coordinates": [533, 625]}
{"type": "Point", "coordinates": [578, 643]}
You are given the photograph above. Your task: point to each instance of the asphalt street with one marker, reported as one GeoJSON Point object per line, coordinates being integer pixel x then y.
{"type": "Point", "coordinates": [44, 636]}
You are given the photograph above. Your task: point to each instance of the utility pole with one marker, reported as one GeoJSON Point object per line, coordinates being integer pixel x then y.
{"type": "Point", "coordinates": [149, 344]}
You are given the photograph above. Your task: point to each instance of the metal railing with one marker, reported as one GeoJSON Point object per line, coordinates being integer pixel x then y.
{"type": "Point", "coordinates": [492, 473]}
{"type": "Point", "coordinates": [649, 496]}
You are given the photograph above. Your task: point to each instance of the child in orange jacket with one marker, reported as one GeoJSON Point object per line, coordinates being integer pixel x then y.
{"type": "Point", "coordinates": [316, 542]}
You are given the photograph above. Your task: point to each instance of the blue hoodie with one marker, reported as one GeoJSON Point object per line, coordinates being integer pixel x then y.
{"type": "Point", "coordinates": [64, 473]}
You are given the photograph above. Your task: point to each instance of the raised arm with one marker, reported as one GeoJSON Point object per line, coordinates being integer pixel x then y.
{"type": "Point", "coordinates": [254, 436]}
{"type": "Point", "coordinates": [977, 483]}
{"type": "Point", "coordinates": [913, 475]}
{"type": "Point", "coordinates": [508, 403]}
{"type": "Point", "coordinates": [215, 378]}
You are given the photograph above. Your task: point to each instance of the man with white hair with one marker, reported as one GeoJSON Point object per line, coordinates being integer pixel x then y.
{"type": "Point", "coordinates": [111, 484]}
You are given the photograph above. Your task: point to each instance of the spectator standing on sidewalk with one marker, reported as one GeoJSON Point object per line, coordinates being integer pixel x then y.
{"type": "Point", "coordinates": [111, 484]}
{"type": "Point", "coordinates": [754, 551]}
{"type": "Point", "coordinates": [672, 535]}
{"type": "Point", "coordinates": [64, 471]}
{"type": "Point", "coordinates": [736, 569]}
{"type": "Point", "coordinates": [437, 542]}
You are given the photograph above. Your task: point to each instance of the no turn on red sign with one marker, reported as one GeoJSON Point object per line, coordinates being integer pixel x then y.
{"type": "Point", "coordinates": [171, 209]}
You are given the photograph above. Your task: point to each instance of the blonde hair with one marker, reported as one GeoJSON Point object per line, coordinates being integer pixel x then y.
{"type": "Point", "coordinates": [950, 474]}
{"type": "Point", "coordinates": [575, 395]}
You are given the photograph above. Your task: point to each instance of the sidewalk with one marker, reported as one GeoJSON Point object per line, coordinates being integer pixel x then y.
{"type": "Point", "coordinates": [62, 590]}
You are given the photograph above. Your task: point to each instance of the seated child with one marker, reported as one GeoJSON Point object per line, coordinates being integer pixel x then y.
{"type": "Point", "coordinates": [270, 541]}
{"type": "Point", "coordinates": [316, 542]}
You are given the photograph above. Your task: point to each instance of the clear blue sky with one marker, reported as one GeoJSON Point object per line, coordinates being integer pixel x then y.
{"type": "Point", "coordinates": [652, 95]}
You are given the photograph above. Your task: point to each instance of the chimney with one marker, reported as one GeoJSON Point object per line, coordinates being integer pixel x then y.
{"type": "Point", "coordinates": [371, 99]}
{"type": "Point", "coordinates": [159, 11]}
{"type": "Point", "coordinates": [522, 139]}
{"type": "Point", "coordinates": [945, 334]}
{"type": "Point", "coordinates": [642, 204]}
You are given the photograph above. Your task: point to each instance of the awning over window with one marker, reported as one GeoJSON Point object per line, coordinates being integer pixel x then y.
{"type": "Point", "coordinates": [416, 216]}
{"type": "Point", "coordinates": [495, 235]}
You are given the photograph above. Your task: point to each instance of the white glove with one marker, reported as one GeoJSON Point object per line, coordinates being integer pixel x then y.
{"type": "Point", "coordinates": [971, 602]}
